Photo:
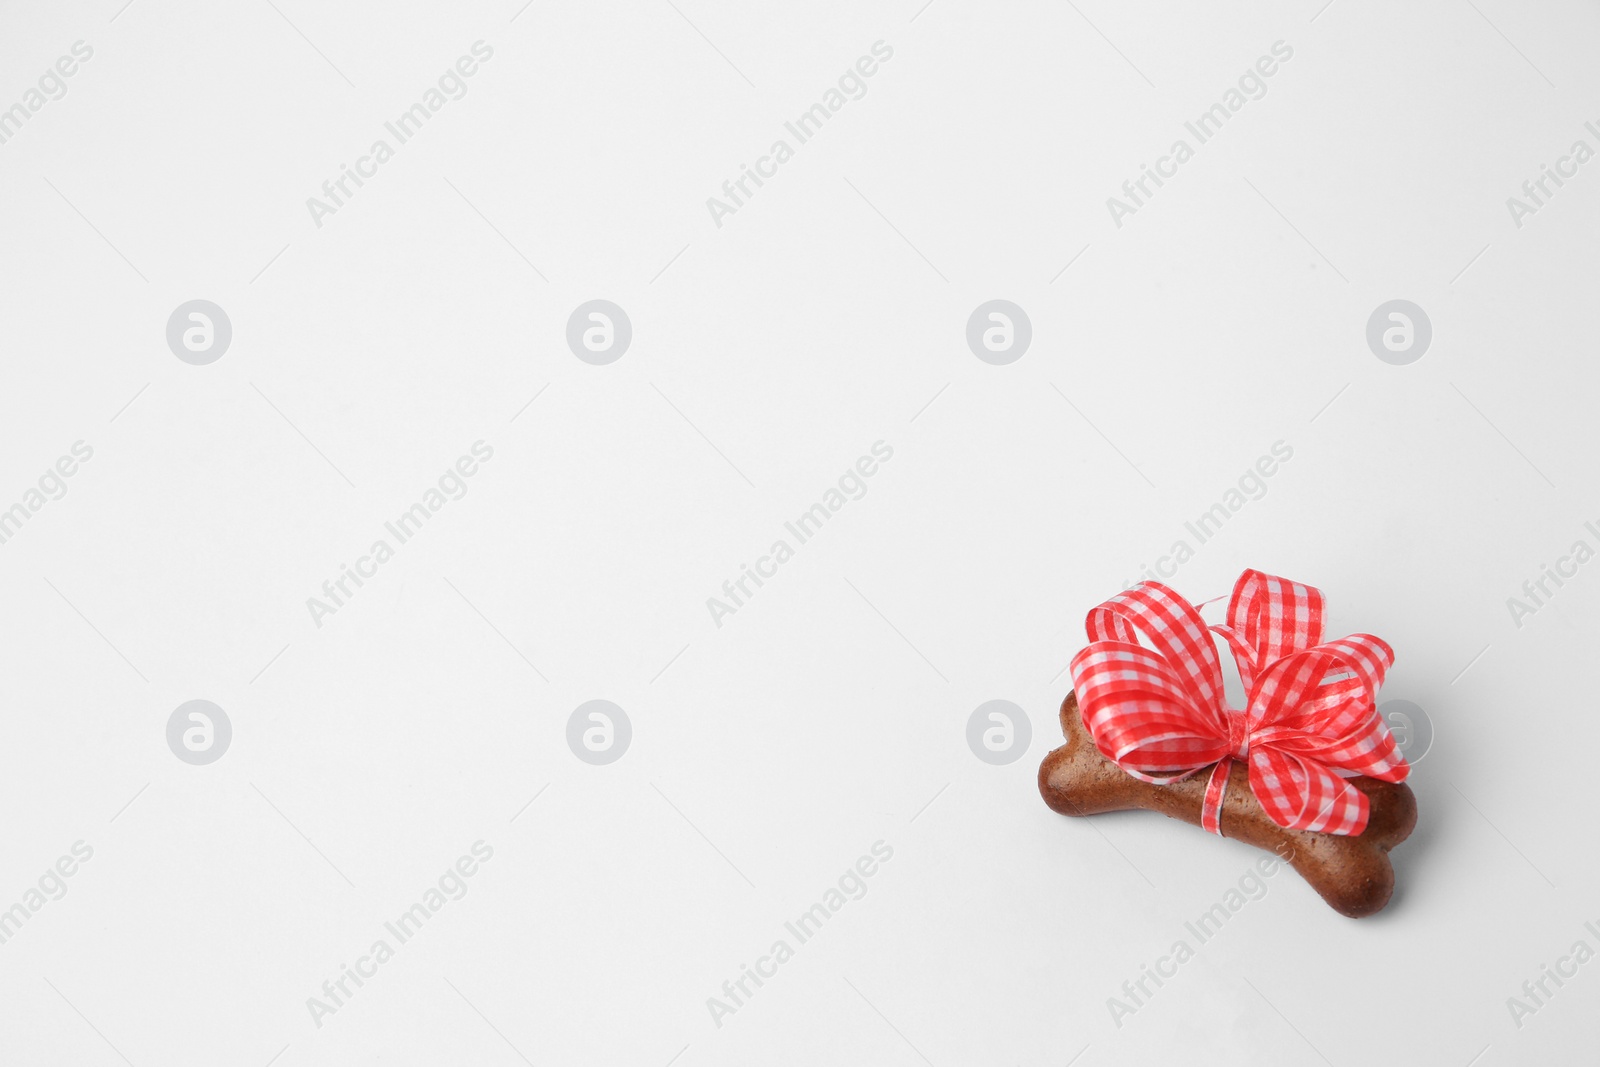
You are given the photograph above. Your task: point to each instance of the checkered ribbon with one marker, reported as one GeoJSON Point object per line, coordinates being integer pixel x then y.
{"type": "Point", "coordinates": [1309, 719]}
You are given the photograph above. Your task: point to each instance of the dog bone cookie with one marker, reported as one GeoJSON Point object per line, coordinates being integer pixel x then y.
{"type": "Point", "coordinates": [1352, 873]}
{"type": "Point", "coordinates": [1306, 769]}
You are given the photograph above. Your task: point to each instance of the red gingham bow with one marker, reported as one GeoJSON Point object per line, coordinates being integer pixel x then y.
{"type": "Point", "coordinates": [1308, 713]}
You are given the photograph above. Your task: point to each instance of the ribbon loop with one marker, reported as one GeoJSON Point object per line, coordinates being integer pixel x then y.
{"type": "Point", "coordinates": [1310, 716]}
{"type": "Point", "coordinates": [1174, 629]}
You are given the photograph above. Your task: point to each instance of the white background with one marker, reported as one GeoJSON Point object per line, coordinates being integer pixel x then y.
{"type": "Point", "coordinates": [768, 354]}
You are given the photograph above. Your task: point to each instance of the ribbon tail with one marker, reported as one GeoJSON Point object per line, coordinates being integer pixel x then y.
{"type": "Point", "coordinates": [1216, 791]}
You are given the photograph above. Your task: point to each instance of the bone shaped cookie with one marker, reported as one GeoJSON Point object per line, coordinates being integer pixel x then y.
{"type": "Point", "coordinates": [1352, 873]}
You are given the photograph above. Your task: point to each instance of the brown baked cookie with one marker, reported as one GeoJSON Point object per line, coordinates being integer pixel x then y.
{"type": "Point", "coordinates": [1352, 873]}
